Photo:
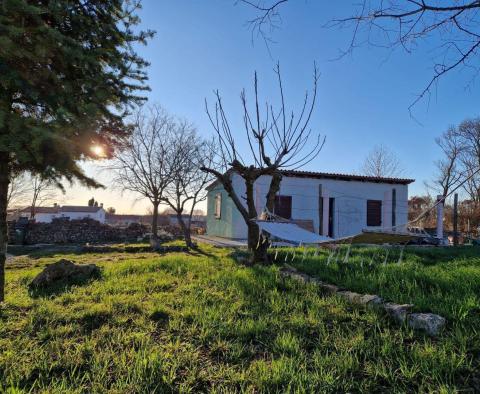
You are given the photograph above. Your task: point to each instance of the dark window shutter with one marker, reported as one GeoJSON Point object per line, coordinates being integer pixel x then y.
{"type": "Point", "coordinates": [283, 206]}
{"type": "Point", "coordinates": [374, 213]}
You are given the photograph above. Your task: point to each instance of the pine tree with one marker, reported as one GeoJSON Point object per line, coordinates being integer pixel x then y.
{"type": "Point", "coordinates": [69, 74]}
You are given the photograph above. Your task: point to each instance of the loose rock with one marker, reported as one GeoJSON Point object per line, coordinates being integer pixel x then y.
{"type": "Point", "coordinates": [288, 267]}
{"type": "Point", "coordinates": [397, 312]}
{"type": "Point", "coordinates": [64, 270]}
{"type": "Point", "coordinates": [371, 300]}
{"type": "Point", "coordinates": [297, 276]}
{"type": "Point", "coordinates": [350, 296]}
{"type": "Point", "coordinates": [431, 323]}
{"type": "Point", "coordinates": [327, 288]}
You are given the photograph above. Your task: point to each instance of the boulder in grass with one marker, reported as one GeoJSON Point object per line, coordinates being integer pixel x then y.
{"type": "Point", "coordinates": [64, 271]}
{"type": "Point", "coordinates": [350, 296]}
{"type": "Point", "coordinates": [397, 312]}
{"type": "Point", "coordinates": [327, 288]}
{"type": "Point", "coordinates": [296, 276]}
{"type": "Point", "coordinates": [288, 267]}
{"type": "Point", "coordinates": [431, 323]}
{"type": "Point", "coordinates": [371, 300]}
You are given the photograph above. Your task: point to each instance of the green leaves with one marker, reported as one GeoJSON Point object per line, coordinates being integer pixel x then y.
{"type": "Point", "coordinates": [68, 71]}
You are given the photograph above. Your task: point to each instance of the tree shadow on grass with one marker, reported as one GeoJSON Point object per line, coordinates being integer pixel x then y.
{"type": "Point", "coordinates": [94, 320]}
{"type": "Point", "coordinates": [46, 251]}
{"type": "Point", "coordinates": [196, 252]}
{"type": "Point", "coordinates": [62, 286]}
{"type": "Point", "coordinates": [160, 317]}
{"type": "Point", "coordinates": [260, 280]}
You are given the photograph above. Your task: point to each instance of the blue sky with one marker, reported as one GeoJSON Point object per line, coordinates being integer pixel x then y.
{"type": "Point", "coordinates": [363, 98]}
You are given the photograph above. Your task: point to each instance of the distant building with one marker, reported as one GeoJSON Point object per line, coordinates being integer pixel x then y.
{"type": "Point", "coordinates": [71, 212]}
{"type": "Point", "coordinates": [197, 220]}
{"type": "Point", "coordinates": [13, 214]}
{"type": "Point", "coordinates": [119, 220]}
{"type": "Point", "coordinates": [163, 220]}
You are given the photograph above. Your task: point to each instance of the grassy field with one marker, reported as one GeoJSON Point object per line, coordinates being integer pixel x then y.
{"type": "Point", "coordinates": [444, 281]}
{"type": "Point", "coordinates": [202, 323]}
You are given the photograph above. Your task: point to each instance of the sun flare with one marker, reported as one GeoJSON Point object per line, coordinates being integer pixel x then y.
{"type": "Point", "coordinates": [97, 150]}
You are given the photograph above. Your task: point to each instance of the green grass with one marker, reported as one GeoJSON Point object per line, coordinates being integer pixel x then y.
{"type": "Point", "coordinates": [444, 281]}
{"type": "Point", "coordinates": [202, 323]}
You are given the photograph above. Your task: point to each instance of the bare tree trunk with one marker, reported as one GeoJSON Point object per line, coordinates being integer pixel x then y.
{"type": "Point", "coordinates": [258, 249]}
{"type": "Point", "coordinates": [185, 230]}
{"type": "Point", "coordinates": [273, 190]}
{"type": "Point", "coordinates": [4, 182]}
{"type": "Point", "coordinates": [154, 241]}
{"type": "Point", "coordinates": [155, 219]}
{"type": "Point", "coordinates": [256, 245]}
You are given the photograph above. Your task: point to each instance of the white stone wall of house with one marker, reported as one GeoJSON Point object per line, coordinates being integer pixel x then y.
{"type": "Point", "coordinates": [41, 217]}
{"type": "Point", "coordinates": [349, 207]}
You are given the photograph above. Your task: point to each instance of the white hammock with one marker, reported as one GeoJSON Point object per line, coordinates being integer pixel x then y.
{"type": "Point", "coordinates": [286, 230]}
{"type": "Point", "coordinates": [291, 232]}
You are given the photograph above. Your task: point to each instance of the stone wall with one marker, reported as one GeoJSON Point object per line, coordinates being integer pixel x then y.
{"type": "Point", "coordinates": [79, 231]}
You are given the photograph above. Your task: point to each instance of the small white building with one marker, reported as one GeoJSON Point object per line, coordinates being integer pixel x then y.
{"type": "Point", "coordinates": [71, 212]}
{"type": "Point", "coordinates": [334, 205]}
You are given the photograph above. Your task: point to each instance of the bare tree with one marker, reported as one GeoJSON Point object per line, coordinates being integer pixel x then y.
{"type": "Point", "coordinates": [277, 140]}
{"type": "Point", "coordinates": [32, 190]}
{"type": "Point", "coordinates": [452, 26]}
{"type": "Point", "coordinates": [468, 132]}
{"type": "Point", "coordinates": [460, 166]}
{"type": "Point", "coordinates": [448, 172]}
{"type": "Point", "coordinates": [198, 212]}
{"type": "Point", "coordinates": [420, 207]}
{"type": "Point", "coordinates": [381, 162]}
{"type": "Point", "coordinates": [267, 20]}
{"type": "Point", "coordinates": [472, 182]}
{"type": "Point", "coordinates": [188, 181]}
{"type": "Point", "coordinates": [18, 190]}
{"type": "Point", "coordinates": [142, 164]}
{"type": "Point", "coordinates": [42, 192]}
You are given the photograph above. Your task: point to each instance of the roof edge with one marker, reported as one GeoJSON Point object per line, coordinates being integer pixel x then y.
{"type": "Point", "coordinates": [335, 176]}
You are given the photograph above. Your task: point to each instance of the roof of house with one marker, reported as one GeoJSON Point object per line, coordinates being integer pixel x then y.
{"type": "Point", "coordinates": [42, 209]}
{"type": "Point", "coordinates": [119, 217]}
{"type": "Point", "coordinates": [65, 208]}
{"type": "Point", "coordinates": [336, 176]}
{"type": "Point", "coordinates": [77, 208]}
{"type": "Point", "coordinates": [347, 177]}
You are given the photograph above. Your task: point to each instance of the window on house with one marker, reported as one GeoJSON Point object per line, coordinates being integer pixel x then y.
{"type": "Point", "coordinates": [218, 206]}
{"type": "Point", "coordinates": [374, 213]}
{"type": "Point", "coordinates": [283, 206]}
